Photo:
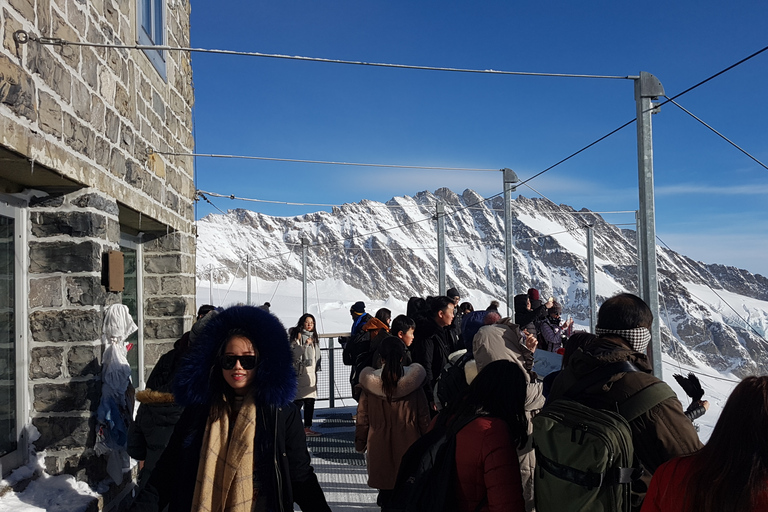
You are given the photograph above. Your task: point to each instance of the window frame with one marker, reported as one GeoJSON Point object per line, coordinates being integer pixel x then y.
{"type": "Point", "coordinates": [19, 213]}
{"type": "Point", "coordinates": [135, 243]}
{"type": "Point", "coordinates": [156, 57]}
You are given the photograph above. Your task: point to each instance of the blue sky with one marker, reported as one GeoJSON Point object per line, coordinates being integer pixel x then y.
{"type": "Point", "coordinates": [710, 198]}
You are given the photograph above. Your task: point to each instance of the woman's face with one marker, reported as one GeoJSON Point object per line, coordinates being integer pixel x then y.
{"type": "Point", "coordinates": [309, 324]}
{"type": "Point", "coordinates": [238, 378]}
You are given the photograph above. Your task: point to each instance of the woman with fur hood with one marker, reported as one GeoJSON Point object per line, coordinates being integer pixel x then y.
{"type": "Point", "coordinates": [239, 445]}
{"type": "Point", "coordinates": [391, 415]}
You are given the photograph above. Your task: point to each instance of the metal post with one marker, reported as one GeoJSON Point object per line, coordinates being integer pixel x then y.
{"type": "Point", "coordinates": [331, 380]}
{"type": "Point", "coordinates": [304, 243]}
{"type": "Point", "coordinates": [591, 277]}
{"type": "Point", "coordinates": [638, 236]}
{"type": "Point", "coordinates": [248, 280]}
{"type": "Point", "coordinates": [440, 248]}
{"type": "Point", "coordinates": [510, 178]}
{"type": "Point", "coordinates": [210, 284]}
{"type": "Point", "coordinates": [648, 88]}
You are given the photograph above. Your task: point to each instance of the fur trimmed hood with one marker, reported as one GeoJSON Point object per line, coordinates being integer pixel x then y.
{"type": "Point", "coordinates": [412, 379]}
{"type": "Point", "coordinates": [152, 397]}
{"type": "Point", "coordinates": [275, 382]}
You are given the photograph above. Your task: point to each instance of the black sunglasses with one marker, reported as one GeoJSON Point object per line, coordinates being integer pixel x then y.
{"type": "Point", "coordinates": [227, 362]}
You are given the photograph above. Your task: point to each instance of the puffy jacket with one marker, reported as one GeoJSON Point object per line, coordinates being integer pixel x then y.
{"type": "Point", "coordinates": [387, 429]}
{"type": "Point", "coordinates": [487, 466]}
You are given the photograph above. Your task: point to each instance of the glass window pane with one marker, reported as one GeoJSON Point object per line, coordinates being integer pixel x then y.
{"type": "Point", "coordinates": [8, 434]}
{"type": "Point", "coordinates": [157, 36]}
{"type": "Point", "coordinates": [130, 299]}
{"type": "Point", "coordinates": [146, 16]}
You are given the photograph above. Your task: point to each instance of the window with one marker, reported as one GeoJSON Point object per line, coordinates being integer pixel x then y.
{"type": "Point", "coordinates": [132, 297]}
{"type": "Point", "coordinates": [151, 31]}
{"type": "Point", "coordinates": [13, 356]}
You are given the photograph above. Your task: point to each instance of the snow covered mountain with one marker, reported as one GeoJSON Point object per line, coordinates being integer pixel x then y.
{"type": "Point", "coordinates": [712, 315]}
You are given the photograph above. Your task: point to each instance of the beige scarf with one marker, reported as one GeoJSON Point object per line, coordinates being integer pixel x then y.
{"type": "Point", "coordinates": [225, 474]}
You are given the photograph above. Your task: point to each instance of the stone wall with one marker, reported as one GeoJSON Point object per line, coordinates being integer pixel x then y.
{"type": "Point", "coordinates": [91, 114]}
{"type": "Point", "coordinates": [68, 236]}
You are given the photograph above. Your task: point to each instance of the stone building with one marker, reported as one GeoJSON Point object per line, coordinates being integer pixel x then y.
{"type": "Point", "coordinates": [78, 178]}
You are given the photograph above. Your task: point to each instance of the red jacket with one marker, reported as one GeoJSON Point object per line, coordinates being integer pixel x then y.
{"type": "Point", "coordinates": [486, 465]}
{"type": "Point", "coordinates": [669, 487]}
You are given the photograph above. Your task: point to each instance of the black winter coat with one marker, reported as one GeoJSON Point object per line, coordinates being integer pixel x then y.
{"type": "Point", "coordinates": [431, 347]}
{"type": "Point", "coordinates": [283, 470]}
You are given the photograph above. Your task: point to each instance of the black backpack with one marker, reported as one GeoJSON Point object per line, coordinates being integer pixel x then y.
{"type": "Point", "coordinates": [452, 381]}
{"type": "Point", "coordinates": [425, 480]}
{"type": "Point", "coordinates": [356, 345]}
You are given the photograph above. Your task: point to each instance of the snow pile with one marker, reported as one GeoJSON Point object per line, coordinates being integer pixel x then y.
{"type": "Point", "coordinates": [46, 493]}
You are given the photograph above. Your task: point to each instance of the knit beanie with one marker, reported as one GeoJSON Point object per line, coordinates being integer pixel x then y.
{"type": "Point", "coordinates": [452, 292]}
{"type": "Point", "coordinates": [358, 307]}
{"type": "Point", "coordinates": [533, 294]}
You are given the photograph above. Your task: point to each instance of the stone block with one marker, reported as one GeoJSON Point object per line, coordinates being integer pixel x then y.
{"type": "Point", "coordinates": [178, 285]}
{"type": "Point", "coordinates": [24, 7]}
{"type": "Point", "coordinates": [102, 152]}
{"type": "Point", "coordinates": [97, 113]}
{"type": "Point", "coordinates": [117, 163]}
{"type": "Point", "coordinates": [11, 26]}
{"type": "Point", "coordinates": [163, 328]}
{"type": "Point", "coordinates": [43, 62]}
{"type": "Point", "coordinates": [43, 8]}
{"type": "Point", "coordinates": [61, 432]}
{"type": "Point", "coordinates": [123, 103]}
{"type": "Point", "coordinates": [81, 100]}
{"type": "Point", "coordinates": [126, 138]}
{"type": "Point", "coordinates": [74, 224]}
{"type": "Point", "coordinates": [166, 306]}
{"type": "Point", "coordinates": [163, 264]}
{"type": "Point", "coordinates": [112, 126]}
{"type": "Point", "coordinates": [45, 292]}
{"type": "Point", "coordinates": [76, 16]}
{"type": "Point", "coordinates": [59, 256]}
{"type": "Point", "coordinates": [89, 69]}
{"type": "Point", "coordinates": [154, 188]}
{"type": "Point", "coordinates": [83, 361]}
{"type": "Point", "coordinates": [113, 231]}
{"type": "Point", "coordinates": [153, 351]}
{"type": "Point", "coordinates": [17, 90]}
{"type": "Point", "coordinates": [156, 165]}
{"type": "Point", "coordinates": [152, 285]}
{"type": "Point", "coordinates": [72, 396]}
{"type": "Point", "coordinates": [85, 291]}
{"type": "Point", "coordinates": [47, 201]}
{"type": "Point", "coordinates": [50, 118]}
{"type": "Point", "coordinates": [78, 136]}
{"type": "Point", "coordinates": [62, 30]}
{"type": "Point", "coordinates": [135, 175]}
{"type": "Point", "coordinates": [46, 363]}
{"type": "Point", "coordinates": [97, 201]}
{"type": "Point", "coordinates": [66, 325]}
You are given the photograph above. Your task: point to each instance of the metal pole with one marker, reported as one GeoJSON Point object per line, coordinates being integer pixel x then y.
{"type": "Point", "coordinates": [304, 243]}
{"type": "Point", "coordinates": [440, 248]}
{"type": "Point", "coordinates": [648, 88]}
{"type": "Point", "coordinates": [591, 277]}
{"type": "Point", "coordinates": [510, 178]}
{"type": "Point", "coordinates": [638, 236]}
{"type": "Point", "coordinates": [248, 280]}
{"type": "Point", "coordinates": [331, 379]}
{"type": "Point", "coordinates": [210, 284]}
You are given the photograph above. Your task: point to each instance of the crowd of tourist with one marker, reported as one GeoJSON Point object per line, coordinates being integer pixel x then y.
{"type": "Point", "coordinates": [220, 426]}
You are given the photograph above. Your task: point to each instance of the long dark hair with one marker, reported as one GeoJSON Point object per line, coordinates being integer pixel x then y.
{"type": "Point", "coordinates": [296, 331]}
{"type": "Point", "coordinates": [731, 471]}
{"type": "Point", "coordinates": [392, 351]}
{"type": "Point", "coordinates": [499, 391]}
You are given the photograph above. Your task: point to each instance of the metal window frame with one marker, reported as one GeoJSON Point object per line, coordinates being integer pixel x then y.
{"type": "Point", "coordinates": [156, 57]}
{"type": "Point", "coordinates": [19, 213]}
{"type": "Point", "coordinates": [135, 243]}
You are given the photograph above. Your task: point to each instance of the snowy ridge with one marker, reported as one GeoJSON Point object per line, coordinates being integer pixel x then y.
{"type": "Point", "coordinates": [385, 253]}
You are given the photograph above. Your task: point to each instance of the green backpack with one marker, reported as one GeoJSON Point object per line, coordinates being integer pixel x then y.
{"type": "Point", "coordinates": [584, 456]}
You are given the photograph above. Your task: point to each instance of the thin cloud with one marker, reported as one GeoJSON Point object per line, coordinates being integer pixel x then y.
{"type": "Point", "coordinates": [694, 189]}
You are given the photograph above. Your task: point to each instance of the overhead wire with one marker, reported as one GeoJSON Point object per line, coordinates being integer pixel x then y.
{"type": "Point", "coordinates": [22, 37]}
{"type": "Point", "coordinates": [729, 141]}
